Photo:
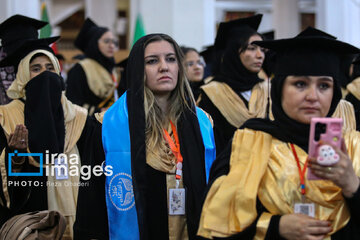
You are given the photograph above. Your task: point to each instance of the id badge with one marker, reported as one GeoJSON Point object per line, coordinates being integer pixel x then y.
{"type": "Point", "coordinates": [176, 201]}
{"type": "Point", "coordinates": [61, 169]}
{"type": "Point", "coordinates": [305, 208]}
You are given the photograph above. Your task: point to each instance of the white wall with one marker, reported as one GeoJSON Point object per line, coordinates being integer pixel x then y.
{"type": "Point", "coordinates": [30, 8]}
{"type": "Point", "coordinates": [104, 13]}
{"type": "Point", "coordinates": [340, 18]}
{"type": "Point", "coordinates": [286, 18]}
{"type": "Point", "coordinates": [189, 22]}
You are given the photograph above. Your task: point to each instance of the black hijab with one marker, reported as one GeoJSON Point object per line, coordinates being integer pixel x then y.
{"type": "Point", "coordinates": [44, 116]}
{"type": "Point", "coordinates": [87, 41]}
{"type": "Point", "coordinates": [149, 184]}
{"type": "Point", "coordinates": [344, 73]}
{"type": "Point", "coordinates": [92, 51]}
{"type": "Point", "coordinates": [283, 127]}
{"type": "Point", "coordinates": [232, 70]}
{"type": "Point", "coordinates": [356, 68]}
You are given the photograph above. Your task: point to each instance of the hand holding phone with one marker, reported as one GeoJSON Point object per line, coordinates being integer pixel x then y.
{"type": "Point", "coordinates": [328, 131]}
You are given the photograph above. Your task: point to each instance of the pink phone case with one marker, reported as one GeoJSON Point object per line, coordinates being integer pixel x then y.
{"type": "Point", "coordinates": [324, 153]}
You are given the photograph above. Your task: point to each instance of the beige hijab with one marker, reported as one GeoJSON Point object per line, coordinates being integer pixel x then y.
{"type": "Point", "coordinates": [17, 88]}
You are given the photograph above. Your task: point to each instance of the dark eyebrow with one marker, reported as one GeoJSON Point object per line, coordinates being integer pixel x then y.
{"type": "Point", "coordinates": [155, 56]}
{"type": "Point", "coordinates": [35, 65]}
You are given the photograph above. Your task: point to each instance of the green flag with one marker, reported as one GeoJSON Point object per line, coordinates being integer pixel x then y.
{"type": "Point", "coordinates": [45, 32]}
{"type": "Point", "coordinates": [139, 29]}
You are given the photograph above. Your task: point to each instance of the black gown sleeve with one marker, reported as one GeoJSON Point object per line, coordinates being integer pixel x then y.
{"type": "Point", "coordinates": [91, 213]}
{"type": "Point", "coordinates": [26, 193]}
{"type": "Point", "coordinates": [223, 130]}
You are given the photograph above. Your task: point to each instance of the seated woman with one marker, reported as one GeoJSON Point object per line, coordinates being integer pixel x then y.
{"type": "Point", "coordinates": [39, 120]}
{"type": "Point", "coordinates": [194, 66]}
{"type": "Point", "coordinates": [256, 180]}
{"type": "Point", "coordinates": [158, 144]}
{"type": "Point", "coordinates": [92, 82]}
{"type": "Point", "coordinates": [236, 93]}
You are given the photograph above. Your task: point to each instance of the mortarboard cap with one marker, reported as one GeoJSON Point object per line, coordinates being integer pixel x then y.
{"type": "Point", "coordinates": [232, 29]}
{"type": "Point", "coordinates": [88, 31]}
{"type": "Point", "coordinates": [28, 46]}
{"type": "Point", "coordinates": [208, 53]}
{"type": "Point", "coordinates": [310, 53]}
{"type": "Point", "coordinates": [18, 28]}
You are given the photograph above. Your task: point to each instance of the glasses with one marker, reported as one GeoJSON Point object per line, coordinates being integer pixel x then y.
{"type": "Point", "coordinates": [111, 41]}
{"type": "Point", "coordinates": [200, 63]}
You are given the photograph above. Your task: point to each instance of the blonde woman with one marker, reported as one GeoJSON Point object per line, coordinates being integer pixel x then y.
{"type": "Point", "coordinates": [159, 145]}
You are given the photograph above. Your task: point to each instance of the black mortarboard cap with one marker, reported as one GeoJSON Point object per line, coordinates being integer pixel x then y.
{"type": "Point", "coordinates": [208, 53]}
{"type": "Point", "coordinates": [88, 31]}
{"type": "Point", "coordinates": [18, 28]}
{"type": "Point", "coordinates": [310, 53]}
{"type": "Point", "coordinates": [312, 32]}
{"type": "Point", "coordinates": [228, 30]}
{"type": "Point", "coordinates": [28, 46]}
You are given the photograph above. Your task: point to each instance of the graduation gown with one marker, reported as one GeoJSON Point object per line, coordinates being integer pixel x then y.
{"type": "Point", "coordinates": [269, 181]}
{"type": "Point", "coordinates": [230, 110]}
{"type": "Point", "coordinates": [21, 194]}
{"type": "Point", "coordinates": [91, 86]}
{"type": "Point", "coordinates": [91, 216]}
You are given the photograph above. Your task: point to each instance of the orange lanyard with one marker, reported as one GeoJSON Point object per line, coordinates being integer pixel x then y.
{"type": "Point", "coordinates": [175, 148]}
{"type": "Point", "coordinates": [301, 171]}
{"type": "Point", "coordinates": [114, 80]}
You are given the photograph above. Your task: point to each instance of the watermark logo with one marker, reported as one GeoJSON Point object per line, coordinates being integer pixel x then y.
{"type": "Point", "coordinates": [60, 166]}
{"type": "Point", "coordinates": [29, 174]}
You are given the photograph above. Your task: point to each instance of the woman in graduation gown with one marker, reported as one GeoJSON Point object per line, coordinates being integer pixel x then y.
{"type": "Point", "coordinates": [39, 120]}
{"type": "Point", "coordinates": [236, 93]}
{"type": "Point", "coordinates": [194, 65]}
{"type": "Point", "coordinates": [92, 82]}
{"type": "Point", "coordinates": [152, 167]}
{"type": "Point", "coordinates": [256, 180]}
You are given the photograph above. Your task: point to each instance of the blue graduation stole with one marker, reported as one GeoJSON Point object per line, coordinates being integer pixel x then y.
{"type": "Point", "coordinates": [120, 201]}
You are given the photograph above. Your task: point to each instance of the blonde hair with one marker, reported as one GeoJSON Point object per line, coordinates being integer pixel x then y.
{"type": "Point", "coordinates": [181, 99]}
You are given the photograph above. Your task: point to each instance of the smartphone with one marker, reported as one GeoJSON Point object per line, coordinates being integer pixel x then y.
{"type": "Point", "coordinates": [327, 131]}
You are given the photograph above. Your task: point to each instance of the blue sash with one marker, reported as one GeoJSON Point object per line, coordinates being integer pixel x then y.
{"type": "Point", "coordinates": [120, 201]}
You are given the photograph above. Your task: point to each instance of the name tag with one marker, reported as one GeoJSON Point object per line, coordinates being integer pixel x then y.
{"type": "Point", "coordinates": [61, 169]}
{"type": "Point", "coordinates": [305, 208]}
{"type": "Point", "coordinates": [177, 201]}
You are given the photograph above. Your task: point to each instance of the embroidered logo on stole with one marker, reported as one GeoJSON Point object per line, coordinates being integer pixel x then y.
{"type": "Point", "coordinates": [121, 192]}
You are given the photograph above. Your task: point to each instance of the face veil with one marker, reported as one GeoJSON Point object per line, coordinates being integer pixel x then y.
{"type": "Point", "coordinates": [43, 111]}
